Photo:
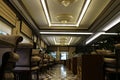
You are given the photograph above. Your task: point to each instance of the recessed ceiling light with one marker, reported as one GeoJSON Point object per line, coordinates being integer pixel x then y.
{"type": "Point", "coordinates": [68, 33]}
{"type": "Point", "coordinates": [111, 23]}
{"type": "Point", "coordinates": [94, 37]}
{"type": "Point", "coordinates": [46, 11]}
{"type": "Point", "coordinates": [110, 33]}
{"type": "Point", "coordinates": [83, 12]}
{"type": "Point", "coordinates": [70, 41]}
{"type": "Point", "coordinates": [97, 35]}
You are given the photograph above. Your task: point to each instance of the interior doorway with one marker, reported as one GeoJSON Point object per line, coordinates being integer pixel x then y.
{"type": "Point", "coordinates": [63, 57]}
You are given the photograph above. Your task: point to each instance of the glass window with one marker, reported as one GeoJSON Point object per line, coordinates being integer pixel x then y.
{"type": "Point", "coordinates": [64, 55]}
{"type": "Point", "coordinates": [53, 54]}
{"type": "Point", "coordinates": [5, 29]}
{"type": "Point", "coordinates": [2, 33]}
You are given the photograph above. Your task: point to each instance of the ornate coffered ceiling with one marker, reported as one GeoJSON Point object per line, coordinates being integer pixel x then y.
{"type": "Point", "coordinates": [72, 16]}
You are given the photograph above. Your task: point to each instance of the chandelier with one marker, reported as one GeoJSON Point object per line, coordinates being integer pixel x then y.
{"type": "Point", "coordinates": [66, 2]}
{"type": "Point", "coordinates": [63, 41]}
{"type": "Point", "coordinates": [64, 18]}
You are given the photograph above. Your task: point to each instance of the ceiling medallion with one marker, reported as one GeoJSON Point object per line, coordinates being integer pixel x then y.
{"type": "Point", "coordinates": [64, 18]}
{"type": "Point", "coordinates": [66, 2]}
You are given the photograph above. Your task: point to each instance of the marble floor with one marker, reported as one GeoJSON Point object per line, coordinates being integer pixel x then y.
{"type": "Point", "coordinates": [59, 72]}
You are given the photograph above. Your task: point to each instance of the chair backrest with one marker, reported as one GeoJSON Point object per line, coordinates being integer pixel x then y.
{"type": "Point", "coordinates": [117, 52]}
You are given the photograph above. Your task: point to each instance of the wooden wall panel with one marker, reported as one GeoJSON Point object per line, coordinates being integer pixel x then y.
{"type": "Point", "coordinates": [42, 44]}
{"type": "Point", "coordinates": [52, 48]}
{"type": "Point", "coordinates": [64, 49]}
{"type": "Point", "coordinates": [26, 30]}
{"type": "Point", "coordinates": [7, 13]}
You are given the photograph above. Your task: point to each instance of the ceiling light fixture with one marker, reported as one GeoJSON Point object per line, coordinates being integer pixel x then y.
{"type": "Point", "coordinates": [111, 23]}
{"type": "Point", "coordinates": [97, 35]}
{"type": "Point", "coordinates": [83, 12]}
{"type": "Point", "coordinates": [58, 43]}
{"type": "Point", "coordinates": [55, 41]}
{"type": "Point", "coordinates": [70, 41]}
{"type": "Point", "coordinates": [110, 33]}
{"type": "Point", "coordinates": [94, 37]}
{"type": "Point", "coordinates": [66, 2]}
{"type": "Point", "coordinates": [79, 19]}
{"type": "Point", "coordinates": [64, 18]}
{"type": "Point", "coordinates": [46, 11]}
{"type": "Point", "coordinates": [68, 33]}
{"type": "Point", "coordinates": [63, 24]}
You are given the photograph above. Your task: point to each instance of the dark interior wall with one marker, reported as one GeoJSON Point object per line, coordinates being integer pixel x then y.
{"type": "Point", "coordinates": [24, 57]}
{"type": "Point", "coordinates": [107, 42]}
{"type": "Point", "coordinates": [83, 49]}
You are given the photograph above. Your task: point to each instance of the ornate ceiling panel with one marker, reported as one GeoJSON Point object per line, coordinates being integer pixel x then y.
{"type": "Point", "coordinates": [66, 16]}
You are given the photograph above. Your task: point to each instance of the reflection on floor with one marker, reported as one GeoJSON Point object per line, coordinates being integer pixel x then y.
{"type": "Point", "coordinates": [59, 72]}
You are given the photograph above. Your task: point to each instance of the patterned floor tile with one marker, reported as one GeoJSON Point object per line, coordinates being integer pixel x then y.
{"type": "Point", "coordinates": [58, 73]}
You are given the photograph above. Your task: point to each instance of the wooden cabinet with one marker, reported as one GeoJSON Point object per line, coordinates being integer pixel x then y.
{"type": "Point", "coordinates": [68, 64]}
{"type": "Point", "coordinates": [74, 65]}
{"type": "Point", "coordinates": [90, 67]}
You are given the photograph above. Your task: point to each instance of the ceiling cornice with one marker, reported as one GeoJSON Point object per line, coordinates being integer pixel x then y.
{"type": "Point", "coordinates": [111, 9]}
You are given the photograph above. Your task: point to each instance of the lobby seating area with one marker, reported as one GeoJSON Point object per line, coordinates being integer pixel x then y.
{"type": "Point", "coordinates": [35, 64]}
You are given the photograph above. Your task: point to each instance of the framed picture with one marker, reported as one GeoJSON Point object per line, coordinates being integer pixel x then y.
{"type": "Point", "coordinates": [24, 28]}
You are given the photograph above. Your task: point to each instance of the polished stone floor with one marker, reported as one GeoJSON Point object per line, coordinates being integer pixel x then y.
{"type": "Point", "coordinates": [59, 72]}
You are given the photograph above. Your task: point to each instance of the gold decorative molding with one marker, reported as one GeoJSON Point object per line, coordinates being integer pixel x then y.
{"type": "Point", "coordinates": [26, 30]}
